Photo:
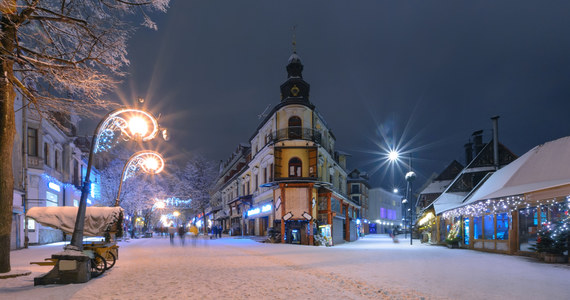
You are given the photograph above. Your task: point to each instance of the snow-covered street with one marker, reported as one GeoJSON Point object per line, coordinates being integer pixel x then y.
{"type": "Point", "coordinates": [233, 268]}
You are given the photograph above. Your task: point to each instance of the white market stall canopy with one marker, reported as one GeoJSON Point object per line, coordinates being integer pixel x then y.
{"type": "Point", "coordinates": [98, 220]}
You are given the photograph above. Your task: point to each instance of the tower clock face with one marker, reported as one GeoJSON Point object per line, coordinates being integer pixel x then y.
{"type": "Point", "coordinates": [295, 91]}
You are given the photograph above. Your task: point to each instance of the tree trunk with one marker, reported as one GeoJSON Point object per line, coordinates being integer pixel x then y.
{"type": "Point", "coordinates": [7, 131]}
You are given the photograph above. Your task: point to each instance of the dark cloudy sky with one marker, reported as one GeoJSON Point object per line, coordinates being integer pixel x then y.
{"type": "Point", "coordinates": [426, 73]}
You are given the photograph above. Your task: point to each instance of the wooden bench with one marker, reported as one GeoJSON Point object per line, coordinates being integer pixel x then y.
{"type": "Point", "coordinates": [47, 262]}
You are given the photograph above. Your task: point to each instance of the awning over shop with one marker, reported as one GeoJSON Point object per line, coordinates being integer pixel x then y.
{"type": "Point", "coordinates": [98, 220]}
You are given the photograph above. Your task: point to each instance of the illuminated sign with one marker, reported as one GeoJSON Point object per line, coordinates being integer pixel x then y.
{"type": "Point", "coordinates": [266, 208]}
{"type": "Point", "coordinates": [253, 211]}
{"type": "Point", "coordinates": [54, 186]}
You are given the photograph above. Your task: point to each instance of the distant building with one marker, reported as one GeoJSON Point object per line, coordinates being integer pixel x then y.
{"type": "Point", "coordinates": [358, 188]}
{"type": "Point", "coordinates": [289, 175]}
{"type": "Point", "coordinates": [384, 211]}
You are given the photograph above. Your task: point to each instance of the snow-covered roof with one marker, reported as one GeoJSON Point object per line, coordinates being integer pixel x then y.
{"type": "Point", "coordinates": [436, 187]}
{"type": "Point", "coordinates": [97, 219]}
{"type": "Point", "coordinates": [448, 201]}
{"type": "Point", "coordinates": [545, 166]}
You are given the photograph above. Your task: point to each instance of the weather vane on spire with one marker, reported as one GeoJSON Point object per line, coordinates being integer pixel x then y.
{"type": "Point", "coordinates": [294, 39]}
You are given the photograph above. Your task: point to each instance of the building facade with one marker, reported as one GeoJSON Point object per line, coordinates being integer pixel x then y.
{"type": "Point", "coordinates": [49, 165]}
{"type": "Point", "coordinates": [290, 178]}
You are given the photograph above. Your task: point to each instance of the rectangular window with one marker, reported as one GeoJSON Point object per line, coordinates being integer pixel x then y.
{"type": "Point", "coordinates": [46, 154]}
{"type": "Point", "coordinates": [32, 142]}
{"type": "Point", "coordinates": [502, 226]}
{"type": "Point", "coordinates": [271, 172]}
{"type": "Point", "coordinates": [51, 199]}
{"type": "Point", "coordinates": [31, 224]}
{"type": "Point", "coordinates": [477, 228]}
{"type": "Point", "coordinates": [382, 213]}
{"type": "Point", "coordinates": [354, 189]}
{"type": "Point", "coordinates": [264, 175]}
{"type": "Point", "coordinates": [489, 227]}
{"type": "Point", "coordinates": [256, 183]}
{"type": "Point", "coordinates": [76, 175]}
{"type": "Point", "coordinates": [466, 231]}
{"type": "Point", "coordinates": [57, 159]}
{"type": "Point", "coordinates": [528, 228]}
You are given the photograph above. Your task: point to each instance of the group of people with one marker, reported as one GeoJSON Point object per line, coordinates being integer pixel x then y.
{"type": "Point", "coordinates": [216, 232]}
{"type": "Point", "coordinates": [193, 231]}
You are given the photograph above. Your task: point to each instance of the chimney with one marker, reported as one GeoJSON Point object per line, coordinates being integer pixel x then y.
{"type": "Point", "coordinates": [477, 142]}
{"type": "Point", "coordinates": [496, 141]}
{"type": "Point", "coordinates": [468, 153]}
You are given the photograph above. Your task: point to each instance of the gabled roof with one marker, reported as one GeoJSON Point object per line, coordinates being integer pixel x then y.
{"type": "Point", "coordinates": [471, 178]}
{"type": "Point", "coordinates": [545, 166]}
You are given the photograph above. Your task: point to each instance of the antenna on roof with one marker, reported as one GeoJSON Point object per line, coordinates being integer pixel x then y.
{"type": "Point", "coordinates": [294, 42]}
{"type": "Point", "coordinates": [264, 113]}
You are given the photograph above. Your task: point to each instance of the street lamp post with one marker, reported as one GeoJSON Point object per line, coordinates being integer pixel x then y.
{"type": "Point", "coordinates": [103, 139]}
{"type": "Point", "coordinates": [393, 156]}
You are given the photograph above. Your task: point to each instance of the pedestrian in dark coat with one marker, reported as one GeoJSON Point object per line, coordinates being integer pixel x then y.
{"type": "Point", "coordinates": [181, 233]}
{"type": "Point", "coordinates": [171, 231]}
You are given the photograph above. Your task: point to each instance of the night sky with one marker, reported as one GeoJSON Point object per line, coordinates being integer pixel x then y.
{"type": "Point", "coordinates": [420, 74]}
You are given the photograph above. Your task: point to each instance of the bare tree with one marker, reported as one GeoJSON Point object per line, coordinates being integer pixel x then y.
{"type": "Point", "coordinates": [196, 181]}
{"type": "Point", "coordinates": [59, 55]}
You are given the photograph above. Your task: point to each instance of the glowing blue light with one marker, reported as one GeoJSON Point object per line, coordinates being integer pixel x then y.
{"type": "Point", "coordinates": [54, 186]}
{"type": "Point", "coordinates": [253, 211]}
{"type": "Point", "coordinates": [266, 208]}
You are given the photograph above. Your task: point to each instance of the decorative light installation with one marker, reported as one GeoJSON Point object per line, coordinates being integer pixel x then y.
{"type": "Point", "coordinates": [127, 123]}
{"type": "Point", "coordinates": [147, 161]}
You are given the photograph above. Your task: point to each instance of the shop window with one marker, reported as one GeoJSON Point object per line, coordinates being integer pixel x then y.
{"type": "Point", "coordinates": [502, 226]}
{"type": "Point", "coordinates": [477, 228]}
{"type": "Point", "coordinates": [489, 227]}
{"type": "Point", "coordinates": [51, 199]}
{"type": "Point", "coordinates": [295, 167]}
{"type": "Point", "coordinates": [31, 224]}
{"type": "Point", "coordinates": [466, 231]}
{"type": "Point", "coordinates": [528, 228]}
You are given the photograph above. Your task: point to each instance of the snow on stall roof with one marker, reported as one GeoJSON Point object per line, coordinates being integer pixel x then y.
{"type": "Point", "coordinates": [448, 201]}
{"type": "Point", "coordinates": [97, 219]}
{"type": "Point", "coordinates": [545, 166]}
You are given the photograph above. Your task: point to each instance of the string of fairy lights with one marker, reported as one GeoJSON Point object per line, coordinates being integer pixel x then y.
{"type": "Point", "coordinates": [502, 205]}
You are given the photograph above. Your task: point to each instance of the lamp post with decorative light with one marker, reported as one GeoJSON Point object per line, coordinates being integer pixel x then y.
{"type": "Point", "coordinates": [128, 123]}
{"type": "Point", "coordinates": [147, 161]}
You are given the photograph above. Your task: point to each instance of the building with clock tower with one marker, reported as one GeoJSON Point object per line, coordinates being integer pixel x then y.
{"type": "Point", "coordinates": [289, 175]}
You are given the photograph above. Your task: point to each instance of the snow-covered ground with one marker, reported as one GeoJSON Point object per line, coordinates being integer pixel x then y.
{"type": "Point", "coordinates": [231, 268]}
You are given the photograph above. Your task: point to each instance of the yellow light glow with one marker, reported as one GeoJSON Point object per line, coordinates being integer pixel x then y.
{"type": "Point", "coordinates": [426, 218]}
{"type": "Point", "coordinates": [151, 163]}
{"type": "Point", "coordinates": [160, 204]}
{"type": "Point", "coordinates": [176, 214]}
{"type": "Point", "coordinates": [138, 126]}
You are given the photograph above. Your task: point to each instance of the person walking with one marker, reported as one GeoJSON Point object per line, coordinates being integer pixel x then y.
{"type": "Point", "coordinates": [171, 231]}
{"type": "Point", "coordinates": [220, 230]}
{"type": "Point", "coordinates": [194, 234]}
{"type": "Point", "coordinates": [181, 233]}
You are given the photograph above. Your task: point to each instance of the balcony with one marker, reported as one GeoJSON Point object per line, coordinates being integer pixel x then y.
{"type": "Point", "coordinates": [296, 133]}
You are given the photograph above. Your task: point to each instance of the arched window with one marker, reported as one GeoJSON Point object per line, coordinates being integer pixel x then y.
{"type": "Point", "coordinates": [295, 126]}
{"type": "Point", "coordinates": [295, 167]}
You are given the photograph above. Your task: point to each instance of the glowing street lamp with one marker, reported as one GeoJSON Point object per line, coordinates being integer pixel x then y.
{"type": "Point", "coordinates": [113, 126]}
{"type": "Point", "coordinates": [150, 162]}
{"type": "Point", "coordinates": [393, 155]}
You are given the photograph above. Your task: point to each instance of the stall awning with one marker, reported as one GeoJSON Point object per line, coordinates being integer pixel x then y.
{"type": "Point", "coordinates": [98, 220]}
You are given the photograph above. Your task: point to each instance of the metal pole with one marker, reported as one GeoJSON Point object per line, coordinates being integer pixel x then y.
{"type": "Point", "coordinates": [117, 200]}
{"type": "Point", "coordinates": [411, 200]}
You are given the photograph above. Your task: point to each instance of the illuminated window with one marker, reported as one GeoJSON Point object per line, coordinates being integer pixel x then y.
{"type": "Point", "coordinates": [31, 224]}
{"type": "Point", "coordinates": [489, 227]}
{"type": "Point", "coordinates": [477, 228]}
{"type": "Point", "coordinates": [503, 226]}
{"type": "Point", "coordinates": [51, 199]}
{"type": "Point", "coordinates": [295, 167]}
